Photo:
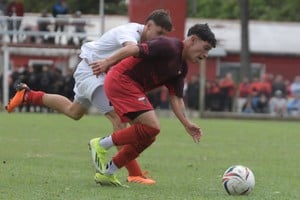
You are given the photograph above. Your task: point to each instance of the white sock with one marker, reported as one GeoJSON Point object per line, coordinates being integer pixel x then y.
{"type": "Point", "coordinates": [111, 168]}
{"type": "Point", "coordinates": [106, 142]}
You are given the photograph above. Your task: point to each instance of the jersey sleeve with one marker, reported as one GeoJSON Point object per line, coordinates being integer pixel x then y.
{"type": "Point", "coordinates": [128, 35]}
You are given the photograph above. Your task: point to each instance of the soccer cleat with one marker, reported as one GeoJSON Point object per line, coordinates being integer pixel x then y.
{"type": "Point", "coordinates": [98, 154]}
{"type": "Point", "coordinates": [18, 99]}
{"type": "Point", "coordinates": [105, 179]}
{"type": "Point", "coordinates": [141, 179]}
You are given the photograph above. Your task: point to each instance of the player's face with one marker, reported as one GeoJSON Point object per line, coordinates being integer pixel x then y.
{"type": "Point", "coordinates": [152, 30]}
{"type": "Point", "coordinates": [198, 49]}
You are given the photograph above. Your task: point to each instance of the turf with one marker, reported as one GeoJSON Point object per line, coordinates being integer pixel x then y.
{"type": "Point", "coordinates": [45, 156]}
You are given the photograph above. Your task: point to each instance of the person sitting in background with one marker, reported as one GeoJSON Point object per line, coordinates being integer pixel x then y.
{"type": "Point", "coordinates": [278, 104]}
{"type": "Point", "coordinates": [295, 87]}
{"type": "Point", "coordinates": [59, 9]}
{"type": "Point", "coordinates": [247, 106]}
{"type": "Point", "coordinates": [278, 84]}
{"type": "Point", "coordinates": [243, 93]}
{"type": "Point", "coordinates": [79, 27]}
{"type": "Point", "coordinates": [192, 93]}
{"type": "Point", "coordinates": [15, 8]}
{"type": "Point", "coordinates": [227, 86]}
{"type": "Point", "coordinates": [293, 106]}
{"type": "Point", "coordinates": [43, 26]}
{"type": "Point", "coordinates": [260, 102]}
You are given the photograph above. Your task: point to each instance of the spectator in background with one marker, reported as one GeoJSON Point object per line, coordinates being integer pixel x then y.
{"type": "Point", "coordinates": [2, 7]}
{"type": "Point", "coordinates": [2, 13]}
{"type": "Point", "coordinates": [248, 106]}
{"type": "Point", "coordinates": [15, 8]}
{"type": "Point", "coordinates": [293, 106]}
{"type": "Point", "coordinates": [227, 86]}
{"type": "Point", "coordinates": [295, 87]}
{"type": "Point", "coordinates": [278, 84]}
{"type": "Point", "coordinates": [260, 103]}
{"type": "Point", "coordinates": [192, 93]}
{"type": "Point", "coordinates": [59, 11]}
{"type": "Point", "coordinates": [164, 98]}
{"type": "Point", "coordinates": [278, 104]}
{"type": "Point", "coordinates": [79, 26]}
{"type": "Point", "coordinates": [243, 93]}
{"type": "Point", "coordinates": [287, 84]}
{"type": "Point", "coordinates": [213, 96]}
{"type": "Point", "coordinates": [262, 86]}
{"type": "Point", "coordinates": [43, 26]}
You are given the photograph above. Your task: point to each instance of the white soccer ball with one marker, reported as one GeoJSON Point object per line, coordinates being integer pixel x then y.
{"type": "Point", "coordinates": [238, 180]}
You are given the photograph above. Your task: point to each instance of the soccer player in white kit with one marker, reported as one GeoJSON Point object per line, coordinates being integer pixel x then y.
{"type": "Point", "coordinates": [88, 88]}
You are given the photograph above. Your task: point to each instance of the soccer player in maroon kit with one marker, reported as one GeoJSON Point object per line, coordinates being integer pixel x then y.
{"type": "Point", "coordinates": [158, 62]}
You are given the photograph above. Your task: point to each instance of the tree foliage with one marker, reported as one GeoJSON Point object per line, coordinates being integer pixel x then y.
{"type": "Point", "coordinates": [86, 6]}
{"type": "Point", "coordinates": [274, 10]}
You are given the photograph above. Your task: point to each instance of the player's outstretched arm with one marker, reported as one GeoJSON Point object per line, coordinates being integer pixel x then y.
{"type": "Point", "coordinates": [178, 108]}
{"type": "Point", "coordinates": [103, 65]}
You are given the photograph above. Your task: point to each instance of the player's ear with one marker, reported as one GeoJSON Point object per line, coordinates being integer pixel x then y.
{"type": "Point", "coordinates": [194, 39]}
{"type": "Point", "coordinates": [149, 24]}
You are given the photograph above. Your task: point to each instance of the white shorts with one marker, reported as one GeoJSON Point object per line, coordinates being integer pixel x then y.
{"type": "Point", "coordinates": [89, 89]}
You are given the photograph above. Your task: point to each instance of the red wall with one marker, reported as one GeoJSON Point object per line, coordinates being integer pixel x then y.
{"type": "Point", "coordinates": [22, 60]}
{"type": "Point", "coordinates": [211, 69]}
{"type": "Point", "coordinates": [139, 10]}
{"type": "Point", "coordinates": [288, 66]}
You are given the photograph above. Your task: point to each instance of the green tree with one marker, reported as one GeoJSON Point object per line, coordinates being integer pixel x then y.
{"type": "Point", "coordinates": [86, 6]}
{"type": "Point", "coordinates": [274, 10]}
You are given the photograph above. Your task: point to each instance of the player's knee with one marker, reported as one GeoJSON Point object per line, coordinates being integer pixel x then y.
{"type": "Point", "coordinates": [76, 115]}
{"type": "Point", "coordinates": [153, 131]}
{"type": "Point", "coordinates": [147, 132]}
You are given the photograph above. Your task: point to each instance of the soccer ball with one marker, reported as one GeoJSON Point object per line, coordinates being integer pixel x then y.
{"type": "Point", "coordinates": [238, 180]}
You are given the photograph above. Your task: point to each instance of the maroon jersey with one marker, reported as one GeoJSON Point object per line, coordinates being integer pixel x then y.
{"type": "Point", "coordinates": [159, 63]}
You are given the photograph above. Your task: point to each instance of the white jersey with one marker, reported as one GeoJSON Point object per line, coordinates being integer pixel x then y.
{"type": "Point", "coordinates": [105, 46]}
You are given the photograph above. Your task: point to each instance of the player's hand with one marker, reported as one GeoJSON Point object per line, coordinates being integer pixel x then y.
{"type": "Point", "coordinates": [195, 131]}
{"type": "Point", "coordinates": [100, 66]}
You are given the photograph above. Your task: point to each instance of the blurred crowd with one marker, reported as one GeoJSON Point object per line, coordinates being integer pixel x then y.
{"type": "Point", "coordinates": [267, 94]}
{"type": "Point", "coordinates": [45, 25]}
{"type": "Point", "coordinates": [41, 77]}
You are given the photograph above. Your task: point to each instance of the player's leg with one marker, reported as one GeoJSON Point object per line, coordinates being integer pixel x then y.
{"type": "Point", "coordinates": [74, 110]}
{"type": "Point", "coordinates": [24, 95]}
{"type": "Point", "coordinates": [100, 101]}
{"type": "Point", "coordinates": [134, 139]}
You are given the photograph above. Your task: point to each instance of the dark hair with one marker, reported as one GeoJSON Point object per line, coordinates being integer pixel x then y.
{"type": "Point", "coordinates": [161, 18]}
{"type": "Point", "coordinates": [203, 32]}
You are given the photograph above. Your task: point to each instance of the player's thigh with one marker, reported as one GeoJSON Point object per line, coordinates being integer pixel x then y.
{"type": "Point", "coordinates": [149, 118]}
{"type": "Point", "coordinates": [100, 101]}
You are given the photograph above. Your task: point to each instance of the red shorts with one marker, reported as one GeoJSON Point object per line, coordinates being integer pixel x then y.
{"type": "Point", "coordinates": [125, 95]}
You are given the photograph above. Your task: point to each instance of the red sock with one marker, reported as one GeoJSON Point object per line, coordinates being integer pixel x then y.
{"type": "Point", "coordinates": [134, 134]}
{"type": "Point", "coordinates": [133, 168]}
{"type": "Point", "coordinates": [34, 97]}
{"type": "Point", "coordinates": [127, 154]}
{"type": "Point", "coordinates": [134, 140]}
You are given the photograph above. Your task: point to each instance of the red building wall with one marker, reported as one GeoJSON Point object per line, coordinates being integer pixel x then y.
{"type": "Point", "coordinates": [22, 60]}
{"type": "Point", "coordinates": [288, 66]}
{"type": "Point", "coordinates": [139, 10]}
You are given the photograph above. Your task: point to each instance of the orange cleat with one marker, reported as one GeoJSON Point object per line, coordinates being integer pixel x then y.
{"type": "Point", "coordinates": [141, 179]}
{"type": "Point", "coordinates": [18, 99]}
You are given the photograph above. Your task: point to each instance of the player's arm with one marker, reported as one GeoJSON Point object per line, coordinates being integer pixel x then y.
{"type": "Point", "coordinates": [178, 107]}
{"type": "Point", "coordinates": [129, 49]}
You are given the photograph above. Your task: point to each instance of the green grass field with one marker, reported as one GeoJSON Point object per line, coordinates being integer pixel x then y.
{"type": "Point", "coordinates": [45, 156]}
